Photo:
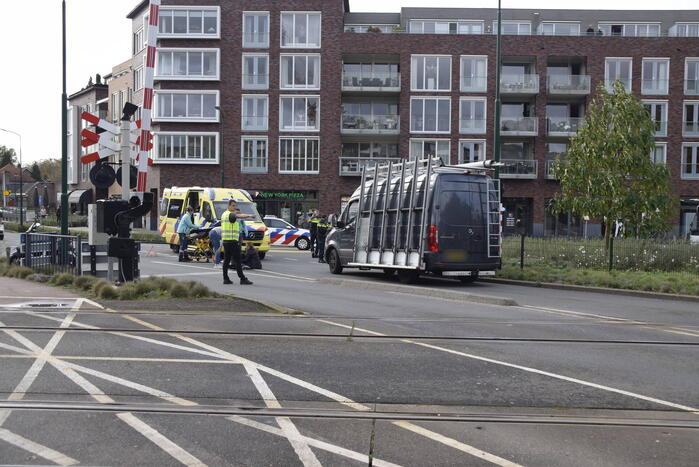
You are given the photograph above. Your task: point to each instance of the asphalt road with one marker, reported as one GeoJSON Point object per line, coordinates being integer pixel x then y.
{"type": "Point", "coordinates": [433, 374]}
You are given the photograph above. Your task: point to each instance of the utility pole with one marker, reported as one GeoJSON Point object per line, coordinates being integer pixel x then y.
{"type": "Point", "coordinates": [64, 139]}
{"type": "Point", "coordinates": [498, 70]}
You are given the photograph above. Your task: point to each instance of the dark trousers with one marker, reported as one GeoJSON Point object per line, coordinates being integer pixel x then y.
{"type": "Point", "coordinates": [314, 240]}
{"type": "Point", "coordinates": [320, 245]}
{"type": "Point", "coordinates": [232, 251]}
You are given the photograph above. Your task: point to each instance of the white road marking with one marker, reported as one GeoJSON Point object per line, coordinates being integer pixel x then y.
{"type": "Point", "coordinates": [363, 458]}
{"type": "Point", "coordinates": [36, 448]}
{"type": "Point", "coordinates": [281, 274]}
{"type": "Point", "coordinates": [290, 431]}
{"type": "Point", "coordinates": [534, 370]}
{"type": "Point", "coordinates": [186, 274]}
{"type": "Point", "coordinates": [257, 272]}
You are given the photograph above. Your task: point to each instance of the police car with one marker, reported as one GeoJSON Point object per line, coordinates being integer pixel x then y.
{"type": "Point", "coordinates": [282, 233]}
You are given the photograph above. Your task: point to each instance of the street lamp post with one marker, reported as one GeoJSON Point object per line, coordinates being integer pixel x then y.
{"type": "Point", "coordinates": [64, 137]}
{"type": "Point", "coordinates": [220, 143]}
{"type": "Point", "coordinates": [21, 181]}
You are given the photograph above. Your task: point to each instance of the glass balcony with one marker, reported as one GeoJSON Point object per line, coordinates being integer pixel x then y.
{"type": "Point", "coordinates": [472, 127]}
{"type": "Point", "coordinates": [548, 174]}
{"type": "Point", "coordinates": [654, 86]}
{"type": "Point", "coordinates": [352, 166]}
{"type": "Point", "coordinates": [691, 87]}
{"type": "Point", "coordinates": [519, 168]}
{"type": "Point", "coordinates": [690, 129]}
{"type": "Point", "coordinates": [359, 124]}
{"type": "Point", "coordinates": [519, 84]}
{"type": "Point", "coordinates": [254, 122]}
{"type": "Point", "coordinates": [519, 126]}
{"type": "Point", "coordinates": [256, 40]}
{"type": "Point", "coordinates": [563, 126]}
{"type": "Point", "coordinates": [376, 82]}
{"type": "Point", "coordinates": [255, 81]}
{"type": "Point", "coordinates": [474, 84]}
{"type": "Point", "coordinates": [575, 85]}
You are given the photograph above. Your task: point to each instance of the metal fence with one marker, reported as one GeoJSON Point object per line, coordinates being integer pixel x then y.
{"type": "Point", "coordinates": [51, 253]}
{"type": "Point", "coordinates": [623, 254]}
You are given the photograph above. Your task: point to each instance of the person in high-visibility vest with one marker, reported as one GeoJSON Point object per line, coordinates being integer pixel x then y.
{"type": "Point", "coordinates": [323, 228]}
{"type": "Point", "coordinates": [313, 227]}
{"type": "Point", "coordinates": [230, 237]}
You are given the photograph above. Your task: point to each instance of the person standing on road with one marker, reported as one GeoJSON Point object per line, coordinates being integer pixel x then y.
{"type": "Point", "coordinates": [215, 239]}
{"type": "Point", "coordinates": [230, 235]}
{"type": "Point", "coordinates": [322, 231]}
{"type": "Point", "coordinates": [185, 226]}
{"type": "Point", "coordinates": [313, 227]}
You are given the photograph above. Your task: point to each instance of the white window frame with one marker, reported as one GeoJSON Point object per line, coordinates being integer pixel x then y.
{"type": "Point", "coordinates": [265, 118]}
{"type": "Point", "coordinates": [458, 22]}
{"type": "Point", "coordinates": [602, 25]}
{"type": "Point", "coordinates": [293, 128]}
{"type": "Point", "coordinates": [554, 23]}
{"type": "Point", "coordinates": [159, 160]}
{"type": "Point", "coordinates": [648, 61]}
{"type": "Point", "coordinates": [471, 142]}
{"type": "Point", "coordinates": [202, 35]}
{"type": "Point", "coordinates": [462, 58]}
{"type": "Point", "coordinates": [156, 105]}
{"type": "Point", "coordinates": [519, 27]}
{"type": "Point", "coordinates": [254, 44]}
{"type": "Point", "coordinates": [429, 140]}
{"type": "Point", "coordinates": [423, 99]}
{"type": "Point", "coordinates": [607, 82]}
{"type": "Point", "coordinates": [687, 61]}
{"type": "Point", "coordinates": [306, 139]}
{"type": "Point", "coordinates": [256, 170]}
{"type": "Point", "coordinates": [677, 25]}
{"type": "Point", "coordinates": [695, 103]}
{"type": "Point", "coordinates": [244, 84]}
{"type": "Point", "coordinates": [188, 77]}
{"type": "Point", "coordinates": [413, 67]}
{"type": "Point", "coordinates": [695, 173]}
{"type": "Point", "coordinates": [664, 105]}
{"type": "Point", "coordinates": [300, 46]}
{"type": "Point", "coordinates": [475, 131]}
{"type": "Point", "coordinates": [663, 146]}
{"type": "Point", "coordinates": [283, 85]}
{"type": "Point", "coordinates": [139, 42]}
{"type": "Point", "coordinates": [138, 78]}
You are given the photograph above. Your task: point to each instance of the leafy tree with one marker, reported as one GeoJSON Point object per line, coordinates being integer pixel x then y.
{"type": "Point", "coordinates": [50, 169]}
{"type": "Point", "coordinates": [607, 173]}
{"type": "Point", "coordinates": [35, 171]}
{"type": "Point", "coordinates": [7, 156]}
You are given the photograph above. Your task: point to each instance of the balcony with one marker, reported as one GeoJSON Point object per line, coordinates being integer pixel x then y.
{"type": "Point", "coordinates": [359, 124]}
{"type": "Point", "coordinates": [472, 127]}
{"type": "Point", "coordinates": [570, 85]}
{"type": "Point", "coordinates": [352, 166]}
{"type": "Point", "coordinates": [654, 86]}
{"type": "Point", "coordinates": [690, 129]}
{"type": "Point", "coordinates": [691, 87]}
{"type": "Point", "coordinates": [660, 128]}
{"type": "Point", "coordinates": [255, 81]}
{"type": "Point", "coordinates": [519, 168]}
{"type": "Point", "coordinates": [519, 84]}
{"type": "Point", "coordinates": [519, 126]}
{"type": "Point", "coordinates": [563, 126]}
{"type": "Point", "coordinates": [377, 82]}
{"type": "Point", "coordinates": [474, 84]}
{"type": "Point", "coordinates": [548, 174]}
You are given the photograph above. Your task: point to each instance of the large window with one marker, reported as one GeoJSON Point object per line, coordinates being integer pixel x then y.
{"type": "Point", "coordinates": [655, 75]}
{"type": "Point", "coordinates": [559, 29]}
{"type": "Point", "coordinates": [630, 29]}
{"type": "Point", "coordinates": [189, 22]}
{"type": "Point", "coordinates": [514, 28]}
{"type": "Point", "coordinates": [253, 154]}
{"type": "Point", "coordinates": [183, 64]}
{"type": "Point", "coordinates": [430, 73]}
{"type": "Point", "coordinates": [255, 112]}
{"type": "Point", "coordinates": [370, 150]}
{"type": "Point", "coordinates": [445, 27]}
{"type": "Point", "coordinates": [430, 115]}
{"type": "Point", "coordinates": [659, 154]}
{"type": "Point", "coordinates": [617, 68]}
{"type": "Point", "coordinates": [256, 29]}
{"type": "Point", "coordinates": [188, 106]}
{"type": "Point", "coordinates": [691, 119]}
{"type": "Point", "coordinates": [370, 115]}
{"type": "Point", "coordinates": [255, 71]}
{"type": "Point", "coordinates": [474, 73]}
{"type": "Point", "coordinates": [300, 72]}
{"type": "Point", "coordinates": [299, 113]}
{"type": "Point", "coordinates": [691, 76]}
{"type": "Point", "coordinates": [300, 30]}
{"type": "Point", "coordinates": [658, 112]}
{"type": "Point", "coordinates": [179, 147]}
{"type": "Point", "coordinates": [690, 160]}
{"type": "Point", "coordinates": [685, 30]}
{"type": "Point", "coordinates": [472, 115]}
{"type": "Point", "coordinates": [471, 150]}
{"type": "Point", "coordinates": [429, 148]}
{"type": "Point", "coordinates": [138, 79]}
{"type": "Point", "coordinates": [298, 155]}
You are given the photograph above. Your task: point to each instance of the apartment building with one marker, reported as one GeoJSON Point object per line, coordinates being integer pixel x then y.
{"type": "Point", "coordinates": [289, 99]}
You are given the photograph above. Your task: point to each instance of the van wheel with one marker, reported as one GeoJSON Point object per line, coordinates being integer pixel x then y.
{"type": "Point", "coordinates": [334, 262]}
{"type": "Point", "coordinates": [469, 279]}
{"type": "Point", "coordinates": [388, 272]}
{"type": "Point", "coordinates": [302, 243]}
{"type": "Point", "coordinates": [407, 276]}
{"type": "Point", "coordinates": [261, 254]}
{"type": "Point", "coordinates": [174, 248]}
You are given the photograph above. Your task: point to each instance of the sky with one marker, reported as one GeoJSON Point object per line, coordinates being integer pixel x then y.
{"type": "Point", "coordinates": [99, 37]}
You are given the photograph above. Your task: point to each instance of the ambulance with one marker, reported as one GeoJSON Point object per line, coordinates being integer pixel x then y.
{"type": "Point", "coordinates": [209, 204]}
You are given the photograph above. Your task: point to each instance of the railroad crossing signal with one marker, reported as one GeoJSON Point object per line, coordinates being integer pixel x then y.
{"type": "Point", "coordinates": [104, 134]}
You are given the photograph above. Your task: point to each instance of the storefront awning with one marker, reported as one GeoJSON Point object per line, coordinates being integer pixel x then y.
{"type": "Point", "coordinates": [80, 197]}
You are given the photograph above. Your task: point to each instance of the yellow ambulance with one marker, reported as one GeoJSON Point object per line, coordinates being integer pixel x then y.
{"type": "Point", "coordinates": [209, 204]}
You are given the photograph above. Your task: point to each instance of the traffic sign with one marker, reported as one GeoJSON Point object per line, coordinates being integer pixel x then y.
{"type": "Point", "coordinates": [7, 193]}
{"type": "Point", "coordinates": [100, 123]}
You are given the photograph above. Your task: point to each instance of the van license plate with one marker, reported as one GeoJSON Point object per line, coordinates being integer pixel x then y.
{"type": "Point", "coordinates": [455, 255]}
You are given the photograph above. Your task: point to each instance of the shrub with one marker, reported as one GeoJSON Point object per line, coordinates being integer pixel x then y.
{"type": "Point", "coordinates": [84, 282]}
{"type": "Point", "coordinates": [179, 290]}
{"type": "Point", "coordinates": [128, 292]}
{"type": "Point", "coordinates": [145, 287]}
{"type": "Point", "coordinates": [62, 279]}
{"type": "Point", "coordinates": [199, 291]}
{"type": "Point", "coordinates": [108, 292]}
{"type": "Point", "coordinates": [99, 285]}
{"type": "Point", "coordinates": [19, 272]}
{"type": "Point", "coordinates": [36, 277]}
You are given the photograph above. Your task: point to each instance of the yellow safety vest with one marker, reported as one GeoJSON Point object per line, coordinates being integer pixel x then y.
{"type": "Point", "coordinates": [315, 220]}
{"type": "Point", "coordinates": [230, 231]}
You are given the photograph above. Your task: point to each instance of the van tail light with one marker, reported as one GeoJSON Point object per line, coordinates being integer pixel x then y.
{"type": "Point", "coordinates": [432, 241]}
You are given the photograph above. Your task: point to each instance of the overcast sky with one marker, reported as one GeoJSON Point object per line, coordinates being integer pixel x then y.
{"type": "Point", "coordinates": [99, 37]}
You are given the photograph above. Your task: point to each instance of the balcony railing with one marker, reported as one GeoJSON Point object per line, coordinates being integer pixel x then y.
{"type": "Point", "coordinates": [256, 39]}
{"type": "Point", "coordinates": [377, 82]}
{"type": "Point", "coordinates": [370, 124]}
{"type": "Point", "coordinates": [563, 126]}
{"type": "Point", "coordinates": [352, 166]}
{"type": "Point", "coordinates": [472, 127]}
{"type": "Point", "coordinates": [519, 168]}
{"type": "Point", "coordinates": [256, 81]}
{"type": "Point", "coordinates": [519, 126]}
{"type": "Point", "coordinates": [569, 84]}
{"type": "Point", "coordinates": [691, 87]}
{"type": "Point", "coordinates": [660, 128]}
{"type": "Point", "coordinates": [254, 123]}
{"type": "Point", "coordinates": [474, 84]}
{"type": "Point", "coordinates": [690, 129]}
{"type": "Point", "coordinates": [654, 86]}
{"type": "Point", "coordinates": [548, 174]}
{"type": "Point", "coordinates": [519, 84]}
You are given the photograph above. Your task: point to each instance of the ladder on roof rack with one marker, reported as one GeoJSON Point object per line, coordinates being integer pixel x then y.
{"type": "Point", "coordinates": [494, 220]}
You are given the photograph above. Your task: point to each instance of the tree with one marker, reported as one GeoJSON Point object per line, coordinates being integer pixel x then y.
{"type": "Point", "coordinates": [50, 169]}
{"type": "Point", "coordinates": [35, 171]}
{"type": "Point", "coordinates": [7, 156]}
{"type": "Point", "coordinates": [607, 172]}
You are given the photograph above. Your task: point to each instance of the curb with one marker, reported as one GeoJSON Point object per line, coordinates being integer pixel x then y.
{"type": "Point", "coordinates": [606, 290]}
{"type": "Point", "coordinates": [273, 306]}
{"type": "Point", "coordinates": [422, 291]}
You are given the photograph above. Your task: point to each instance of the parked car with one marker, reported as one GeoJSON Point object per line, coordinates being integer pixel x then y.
{"type": "Point", "coordinates": [284, 234]}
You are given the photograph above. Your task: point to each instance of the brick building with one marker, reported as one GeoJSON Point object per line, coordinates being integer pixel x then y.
{"type": "Point", "coordinates": [289, 99]}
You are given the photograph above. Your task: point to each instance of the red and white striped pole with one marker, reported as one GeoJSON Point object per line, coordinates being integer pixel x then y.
{"type": "Point", "coordinates": [147, 107]}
